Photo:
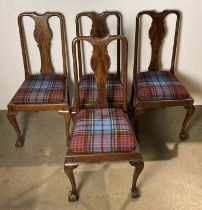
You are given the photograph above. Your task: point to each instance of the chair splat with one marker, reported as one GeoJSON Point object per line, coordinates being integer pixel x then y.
{"type": "Point", "coordinates": [99, 25]}
{"type": "Point", "coordinates": [156, 35]}
{"type": "Point", "coordinates": [43, 35]}
{"type": "Point", "coordinates": [100, 63]}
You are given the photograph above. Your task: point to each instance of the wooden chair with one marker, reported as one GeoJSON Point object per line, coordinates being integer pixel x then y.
{"type": "Point", "coordinates": [155, 88]}
{"type": "Point", "coordinates": [102, 133]}
{"type": "Point", "coordinates": [45, 91]}
{"type": "Point", "coordinates": [87, 84]}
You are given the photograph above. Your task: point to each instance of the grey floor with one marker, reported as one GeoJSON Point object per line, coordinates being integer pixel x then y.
{"type": "Point", "coordinates": [32, 177]}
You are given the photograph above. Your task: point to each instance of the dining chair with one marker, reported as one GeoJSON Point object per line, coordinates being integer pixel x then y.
{"type": "Point", "coordinates": [46, 90]}
{"type": "Point", "coordinates": [102, 133]}
{"type": "Point", "coordinates": [156, 87]}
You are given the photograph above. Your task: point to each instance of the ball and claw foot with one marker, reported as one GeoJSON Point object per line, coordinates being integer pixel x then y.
{"type": "Point", "coordinates": [184, 136]}
{"type": "Point", "coordinates": [19, 142]}
{"type": "Point", "coordinates": [73, 197]}
{"type": "Point", "coordinates": [135, 193]}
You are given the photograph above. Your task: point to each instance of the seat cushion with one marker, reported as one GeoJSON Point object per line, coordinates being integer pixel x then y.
{"type": "Point", "coordinates": [41, 89]}
{"type": "Point", "coordinates": [160, 85]}
{"type": "Point", "coordinates": [88, 88]}
{"type": "Point", "coordinates": [102, 130]}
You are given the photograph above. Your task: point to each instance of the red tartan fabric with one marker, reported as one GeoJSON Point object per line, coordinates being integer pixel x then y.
{"type": "Point", "coordinates": [102, 130]}
{"type": "Point", "coordinates": [41, 89]}
{"type": "Point", "coordinates": [159, 85]}
{"type": "Point", "coordinates": [88, 88]}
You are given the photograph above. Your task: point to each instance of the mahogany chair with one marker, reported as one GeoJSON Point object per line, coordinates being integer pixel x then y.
{"type": "Point", "coordinates": [156, 88]}
{"type": "Point", "coordinates": [45, 91]}
{"type": "Point", "coordinates": [102, 133]}
{"type": "Point", "coordinates": [87, 84]}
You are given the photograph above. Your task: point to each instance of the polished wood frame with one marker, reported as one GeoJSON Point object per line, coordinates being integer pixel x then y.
{"type": "Point", "coordinates": [156, 35]}
{"type": "Point", "coordinates": [41, 30]}
{"type": "Point", "coordinates": [100, 63]}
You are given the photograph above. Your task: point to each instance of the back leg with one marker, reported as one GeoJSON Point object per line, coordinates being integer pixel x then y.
{"type": "Point", "coordinates": [66, 115]}
{"type": "Point", "coordinates": [12, 118]}
{"type": "Point", "coordinates": [138, 112]}
{"type": "Point", "coordinates": [190, 112]}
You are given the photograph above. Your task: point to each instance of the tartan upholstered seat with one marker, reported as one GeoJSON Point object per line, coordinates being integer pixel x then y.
{"type": "Point", "coordinates": [41, 89]}
{"type": "Point", "coordinates": [102, 130]}
{"type": "Point", "coordinates": [88, 88]}
{"type": "Point", "coordinates": [159, 85]}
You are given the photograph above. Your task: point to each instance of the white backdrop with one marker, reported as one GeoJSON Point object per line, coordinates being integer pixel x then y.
{"type": "Point", "coordinates": [189, 62]}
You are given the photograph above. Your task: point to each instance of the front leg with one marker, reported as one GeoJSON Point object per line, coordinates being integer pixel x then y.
{"type": "Point", "coordinates": [68, 168]}
{"type": "Point", "coordinates": [139, 165]}
{"type": "Point", "coordinates": [12, 118]}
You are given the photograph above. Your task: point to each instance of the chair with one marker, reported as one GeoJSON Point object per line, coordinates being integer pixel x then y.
{"type": "Point", "coordinates": [102, 133]}
{"type": "Point", "coordinates": [87, 84]}
{"type": "Point", "coordinates": [45, 91]}
{"type": "Point", "coordinates": [155, 88]}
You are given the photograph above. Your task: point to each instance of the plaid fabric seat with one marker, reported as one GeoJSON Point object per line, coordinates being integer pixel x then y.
{"type": "Point", "coordinates": [88, 88]}
{"type": "Point", "coordinates": [159, 85]}
{"type": "Point", "coordinates": [102, 130]}
{"type": "Point", "coordinates": [41, 89]}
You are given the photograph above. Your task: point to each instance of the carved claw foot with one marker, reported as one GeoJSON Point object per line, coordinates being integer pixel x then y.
{"type": "Point", "coordinates": [19, 142]}
{"type": "Point", "coordinates": [68, 168]}
{"type": "Point", "coordinates": [73, 197]}
{"type": "Point", "coordinates": [184, 136]}
{"type": "Point", "coordinates": [135, 193]}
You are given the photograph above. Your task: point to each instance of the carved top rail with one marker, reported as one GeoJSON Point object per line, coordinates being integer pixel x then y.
{"type": "Point", "coordinates": [99, 29]}
{"type": "Point", "coordinates": [156, 35]}
{"type": "Point", "coordinates": [43, 36]}
{"type": "Point", "coordinates": [100, 63]}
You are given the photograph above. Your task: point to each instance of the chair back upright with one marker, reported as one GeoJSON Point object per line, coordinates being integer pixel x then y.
{"type": "Point", "coordinates": [42, 36]}
{"type": "Point", "coordinates": [99, 29]}
{"type": "Point", "coordinates": [100, 64]}
{"type": "Point", "coordinates": [156, 35]}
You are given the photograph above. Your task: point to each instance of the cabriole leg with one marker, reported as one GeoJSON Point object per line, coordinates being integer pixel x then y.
{"type": "Point", "coordinates": [139, 165]}
{"type": "Point", "coordinates": [68, 168]}
{"type": "Point", "coordinates": [190, 111]}
{"type": "Point", "coordinates": [12, 118]}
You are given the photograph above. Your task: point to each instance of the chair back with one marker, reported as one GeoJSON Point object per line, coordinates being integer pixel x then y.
{"type": "Point", "coordinates": [156, 35]}
{"type": "Point", "coordinates": [100, 64]}
{"type": "Point", "coordinates": [99, 29]}
{"type": "Point", "coordinates": [42, 36]}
